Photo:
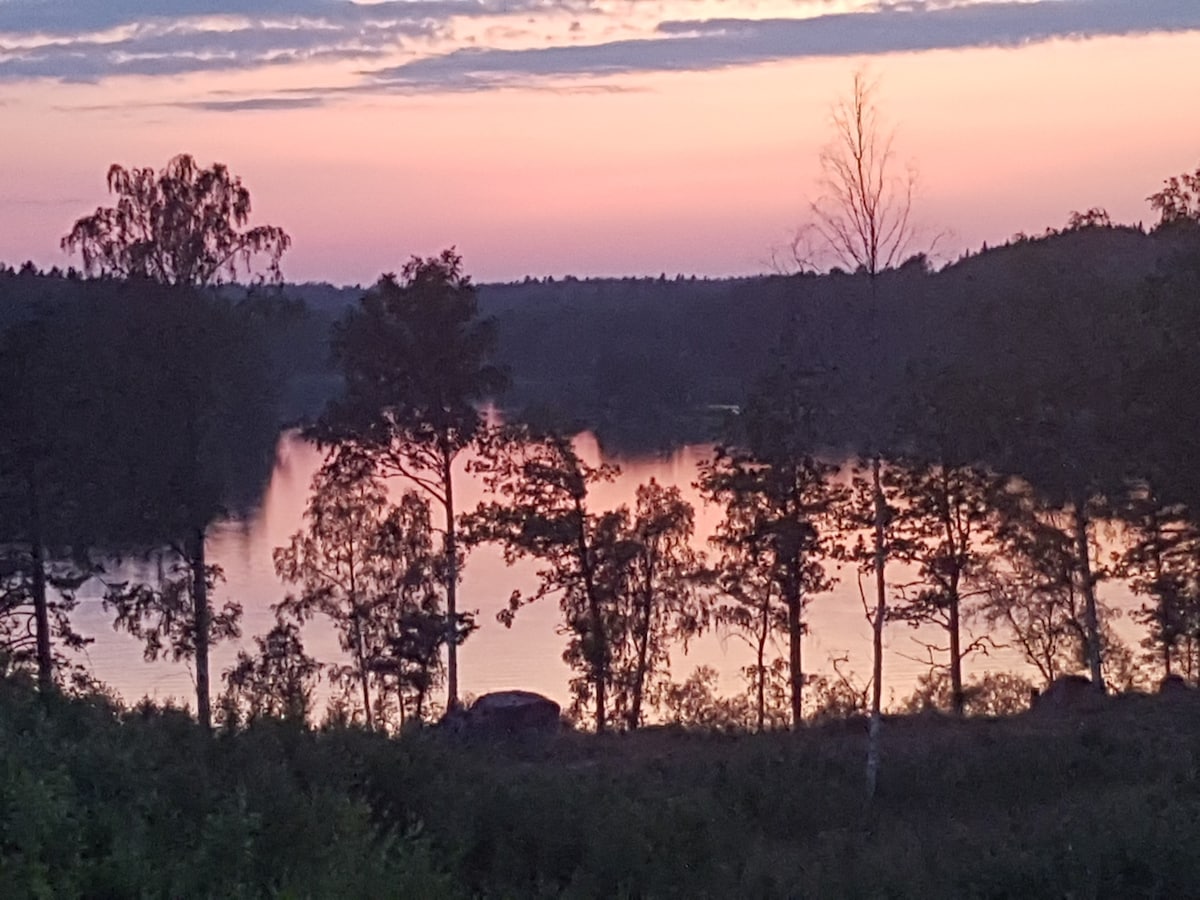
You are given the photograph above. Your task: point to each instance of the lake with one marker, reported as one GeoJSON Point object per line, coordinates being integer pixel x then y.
{"type": "Point", "coordinates": [529, 655]}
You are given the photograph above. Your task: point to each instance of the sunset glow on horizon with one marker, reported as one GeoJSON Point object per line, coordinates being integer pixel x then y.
{"type": "Point", "coordinates": [587, 138]}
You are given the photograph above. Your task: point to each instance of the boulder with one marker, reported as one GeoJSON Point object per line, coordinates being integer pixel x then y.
{"type": "Point", "coordinates": [1067, 693]}
{"type": "Point", "coordinates": [1175, 685]}
{"type": "Point", "coordinates": [506, 712]}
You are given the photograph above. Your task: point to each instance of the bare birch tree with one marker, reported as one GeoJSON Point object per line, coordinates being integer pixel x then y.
{"type": "Point", "coordinates": [864, 212]}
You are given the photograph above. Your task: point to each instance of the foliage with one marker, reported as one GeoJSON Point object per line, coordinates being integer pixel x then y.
{"type": "Point", "coordinates": [991, 694]}
{"type": "Point", "coordinates": [277, 683]}
{"type": "Point", "coordinates": [778, 497]}
{"type": "Point", "coordinates": [161, 612]}
{"type": "Point", "coordinates": [98, 801]}
{"type": "Point", "coordinates": [183, 225]}
{"type": "Point", "coordinates": [369, 567]}
{"type": "Point", "coordinates": [416, 363]}
{"type": "Point", "coordinates": [661, 600]}
{"type": "Point", "coordinates": [543, 513]}
{"type": "Point", "coordinates": [1179, 200]}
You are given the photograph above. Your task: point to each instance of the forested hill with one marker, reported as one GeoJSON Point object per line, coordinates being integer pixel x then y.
{"type": "Point", "coordinates": [639, 358]}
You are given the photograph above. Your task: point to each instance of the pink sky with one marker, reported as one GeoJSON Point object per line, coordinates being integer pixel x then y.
{"type": "Point", "coordinates": [584, 136]}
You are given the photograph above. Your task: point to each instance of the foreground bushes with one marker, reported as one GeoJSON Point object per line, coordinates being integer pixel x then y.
{"type": "Point", "coordinates": [100, 802]}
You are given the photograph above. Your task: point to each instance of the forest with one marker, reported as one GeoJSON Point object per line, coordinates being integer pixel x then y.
{"type": "Point", "coordinates": [976, 427]}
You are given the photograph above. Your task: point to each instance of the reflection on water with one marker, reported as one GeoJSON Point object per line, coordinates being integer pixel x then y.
{"type": "Point", "coordinates": [529, 655]}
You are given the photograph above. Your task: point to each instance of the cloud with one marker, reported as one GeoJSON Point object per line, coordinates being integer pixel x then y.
{"type": "Point", "coordinates": [73, 41]}
{"type": "Point", "coordinates": [696, 45]}
{"type": "Point", "coordinates": [253, 104]}
{"type": "Point", "coordinates": [93, 40]}
{"type": "Point", "coordinates": [73, 18]}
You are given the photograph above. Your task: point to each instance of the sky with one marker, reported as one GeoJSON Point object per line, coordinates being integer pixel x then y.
{"type": "Point", "coordinates": [589, 137]}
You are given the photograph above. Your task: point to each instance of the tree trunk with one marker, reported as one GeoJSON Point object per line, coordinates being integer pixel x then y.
{"type": "Point", "coordinates": [639, 677]}
{"type": "Point", "coordinates": [796, 672]}
{"type": "Point", "coordinates": [762, 670]}
{"type": "Point", "coordinates": [875, 724]}
{"type": "Point", "coordinates": [597, 652]}
{"type": "Point", "coordinates": [41, 610]}
{"type": "Point", "coordinates": [957, 696]}
{"type": "Point", "coordinates": [956, 547]}
{"type": "Point", "coordinates": [1088, 586]}
{"type": "Point", "coordinates": [203, 619]}
{"type": "Point", "coordinates": [643, 639]}
{"type": "Point", "coordinates": [364, 680]}
{"type": "Point", "coordinates": [1164, 619]}
{"type": "Point", "coordinates": [451, 587]}
{"type": "Point", "coordinates": [41, 606]}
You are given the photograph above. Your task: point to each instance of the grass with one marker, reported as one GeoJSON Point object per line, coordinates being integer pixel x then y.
{"type": "Point", "coordinates": [96, 801]}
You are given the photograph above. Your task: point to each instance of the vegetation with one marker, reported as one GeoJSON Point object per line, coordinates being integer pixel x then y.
{"type": "Point", "coordinates": [1035, 394]}
{"type": "Point", "coordinates": [102, 801]}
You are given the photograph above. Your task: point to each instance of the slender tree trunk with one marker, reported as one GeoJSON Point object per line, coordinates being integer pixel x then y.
{"type": "Point", "coordinates": [597, 651]}
{"type": "Point", "coordinates": [203, 618]}
{"type": "Point", "coordinates": [1088, 586]}
{"type": "Point", "coordinates": [796, 671]}
{"type": "Point", "coordinates": [41, 606]}
{"type": "Point", "coordinates": [451, 586]}
{"type": "Point", "coordinates": [1164, 620]}
{"type": "Point", "coordinates": [957, 695]}
{"type": "Point", "coordinates": [643, 650]}
{"type": "Point", "coordinates": [639, 678]}
{"type": "Point", "coordinates": [364, 681]}
{"type": "Point", "coordinates": [761, 669]}
{"type": "Point", "coordinates": [875, 724]}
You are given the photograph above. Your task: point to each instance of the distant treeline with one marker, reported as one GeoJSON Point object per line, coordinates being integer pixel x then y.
{"type": "Point", "coordinates": [645, 362]}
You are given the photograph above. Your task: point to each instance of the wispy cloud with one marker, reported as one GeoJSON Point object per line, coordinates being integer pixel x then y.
{"type": "Point", "coordinates": [73, 41]}
{"type": "Point", "coordinates": [695, 45]}
{"type": "Point", "coordinates": [401, 45]}
{"type": "Point", "coordinates": [253, 104]}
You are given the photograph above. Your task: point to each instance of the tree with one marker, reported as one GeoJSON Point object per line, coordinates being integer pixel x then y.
{"type": "Point", "coordinates": [1035, 590]}
{"type": "Point", "coordinates": [43, 439]}
{"type": "Point", "coordinates": [864, 217]}
{"type": "Point", "coordinates": [166, 616]}
{"type": "Point", "coordinates": [276, 683]}
{"type": "Point", "coordinates": [777, 496]}
{"type": "Point", "coordinates": [1160, 564]}
{"type": "Point", "coordinates": [183, 228]}
{"type": "Point", "coordinates": [868, 507]}
{"type": "Point", "coordinates": [369, 567]}
{"type": "Point", "coordinates": [661, 603]}
{"type": "Point", "coordinates": [186, 376]}
{"type": "Point", "coordinates": [864, 212]}
{"type": "Point", "coordinates": [1179, 200]}
{"type": "Point", "coordinates": [543, 514]}
{"type": "Point", "coordinates": [944, 517]}
{"type": "Point", "coordinates": [415, 359]}
{"type": "Point", "coordinates": [743, 576]}
{"type": "Point", "coordinates": [183, 225]}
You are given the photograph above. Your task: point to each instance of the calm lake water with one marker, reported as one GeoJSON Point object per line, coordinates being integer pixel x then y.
{"type": "Point", "coordinates": [529, 655]}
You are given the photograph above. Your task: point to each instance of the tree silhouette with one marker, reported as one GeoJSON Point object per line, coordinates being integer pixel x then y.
{"type": "Point", "coordinates": [772, 480]}
{"type": "Point", "coordinates": [863, 214]}
{"type": "Point", "coordinates": [277, 682]}
{"type": "Point", "coordinates": [1179, 200]}
{"type": "Point", "coordinates": [416, 362]}
{"type": "Point", "coordinates": [661, 601]}
{"type": "Point", "coordinates": [543, 514]}
{"type": "Point", "coordinates": [369, 567]}
{"type": "Point", "coordinates": [183, 228]}
{"type": "Point", "coordinates": [183, 225]}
